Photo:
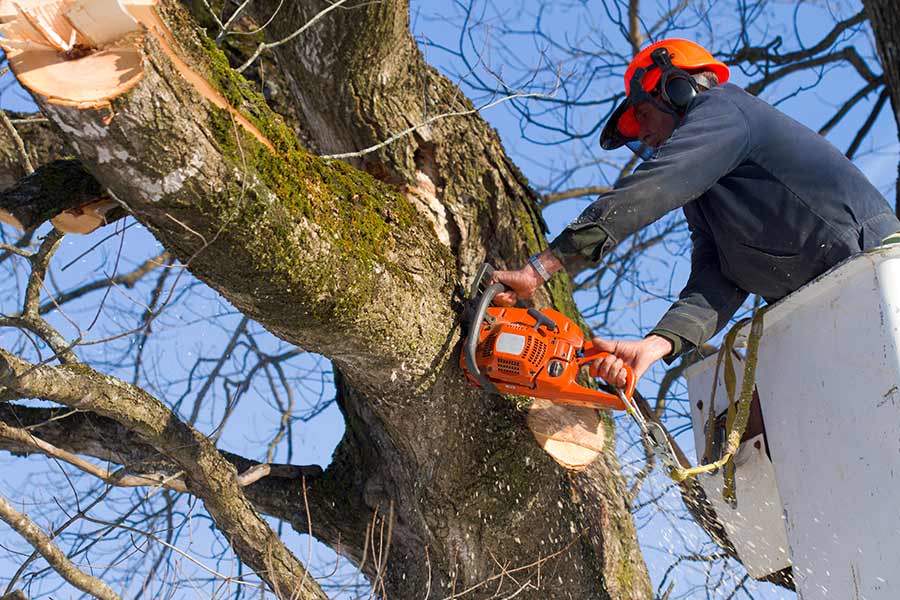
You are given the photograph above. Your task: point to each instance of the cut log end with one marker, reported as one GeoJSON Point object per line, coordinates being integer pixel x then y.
{"type": "Point", "coordinates": [78, 53]}
{"type": "Point", "coordinates": [574, 437]}
{"type": "Point", "coordinates": [88, 82]}
{"type": "Point", "coordinates": [84, 219]}
{"type": "Point", "coordinates": [9, 219]}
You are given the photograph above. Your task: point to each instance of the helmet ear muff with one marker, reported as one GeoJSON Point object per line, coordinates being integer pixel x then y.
{"type": "Point", "coordinates": [678, 89]}
{"type": "Point", "coordinates": [676, 86]}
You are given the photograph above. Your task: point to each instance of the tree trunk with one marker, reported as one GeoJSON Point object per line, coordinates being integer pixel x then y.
{"type": "Point", "coordinates": [885, 21]}
{"type": "Point", "coordinates": [364, 270]}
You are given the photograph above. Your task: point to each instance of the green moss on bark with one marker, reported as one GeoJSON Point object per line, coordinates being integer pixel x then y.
{"type": "Point", "coordinates": [360, 218]}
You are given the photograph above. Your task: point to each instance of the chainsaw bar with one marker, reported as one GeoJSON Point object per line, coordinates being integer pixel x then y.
{"type": "Point", "coordinates": [654, 434]}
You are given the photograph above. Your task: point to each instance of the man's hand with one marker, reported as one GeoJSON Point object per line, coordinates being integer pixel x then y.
{"type": "Point", "coordinates": [523, 283]}
{"type": "Point", "coordinates": [637, 355]}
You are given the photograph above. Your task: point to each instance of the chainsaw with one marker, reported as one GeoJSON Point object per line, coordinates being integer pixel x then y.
{"type": "Point", "coordinates": [539, 353]}
{"type": "Point", "coordinates": [530, 352]}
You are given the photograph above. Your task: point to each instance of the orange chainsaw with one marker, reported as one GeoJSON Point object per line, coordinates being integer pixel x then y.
{"type": "Point", "coordinates": [530, 352]}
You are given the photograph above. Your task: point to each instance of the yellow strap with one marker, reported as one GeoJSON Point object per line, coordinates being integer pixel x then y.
{"type": "Point", "coordinates": [711, 416]}
{"type": "Point", "coordinates": [738, 408]}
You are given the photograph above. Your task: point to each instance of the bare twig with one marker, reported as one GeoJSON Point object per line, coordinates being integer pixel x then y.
{"type": "Point", "coordinates": [17, 141]}
{"type": "Point", "coordinates": [128, 280]}
{"type": "Point", "coordinates": [869, 122]}
{"type": "Point", "coordinates": [429, 121]}
{"type": "Point", "coordinates": [55, 557]}
{"type": "Point", "coordinates": [591, 190]}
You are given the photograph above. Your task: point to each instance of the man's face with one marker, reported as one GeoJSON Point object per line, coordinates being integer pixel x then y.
{"type": "Point", "coordinates": [655, 125]}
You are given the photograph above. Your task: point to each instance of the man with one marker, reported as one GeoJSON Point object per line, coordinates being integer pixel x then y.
{"type": "Point", "coordinates": [770, 204]}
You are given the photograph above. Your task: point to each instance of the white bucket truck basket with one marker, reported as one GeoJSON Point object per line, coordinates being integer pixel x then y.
{"type": "Point", "coordinates": [828, 380]}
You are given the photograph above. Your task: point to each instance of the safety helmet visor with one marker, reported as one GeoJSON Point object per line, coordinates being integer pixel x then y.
{"type": "Point", "coordinates": [622, 126]}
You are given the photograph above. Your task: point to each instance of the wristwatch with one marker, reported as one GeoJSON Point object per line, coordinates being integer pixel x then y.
{"type": "Point", "coordinates": [534, 262]}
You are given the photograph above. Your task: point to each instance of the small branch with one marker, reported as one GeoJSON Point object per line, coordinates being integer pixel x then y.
{"type": "Point", "coordinates": [848, 54]}
{"type": "Point", "coordinates": [224, 28]}
{"type": "Point", "coordinates": [843, 110]}
{"type": "Point", "coordinates": [764, 54]}
{"type": "Point", "coordinates": [591, 190]}
{"type": "Point", "coordinates": [55, 557]}
{"type": "Point", "coordinates": [210, 380]}
{"type": "Point", "coordinates": [17, 140]}
{"type": "Point", "coordinates": [264, 46]}
{"type": "Point", "coordinates": [128, 280]}
{"type": "Point", "coordinates": [30, 319]}
{"type": "Point", "coordinates": [669, 15]}
{"type": "Point", "coordinates": [870, 121]}
{"type": "Point", "coordinates": [429, 121]}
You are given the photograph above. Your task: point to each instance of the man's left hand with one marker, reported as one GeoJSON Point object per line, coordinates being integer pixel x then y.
{"type": "Point", "coordinates": [638, 355]}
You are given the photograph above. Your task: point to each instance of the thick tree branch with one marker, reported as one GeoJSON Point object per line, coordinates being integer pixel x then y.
{"type": "Point", "coordinates": [343, 253]}
{"type": "Point", "coordinates": [339, 515]}
{"type": "Point", "coordinates": [207, 474]}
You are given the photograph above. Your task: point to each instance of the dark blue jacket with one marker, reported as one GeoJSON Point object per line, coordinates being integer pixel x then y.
{"type": "Point", "coordinates": [770, 205]}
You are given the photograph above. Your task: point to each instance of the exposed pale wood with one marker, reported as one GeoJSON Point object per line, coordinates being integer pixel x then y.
{"type": "Point", "coordinates": [53, 58]}
{"type": "Point", "coordinates": [572, 436]}
{"type": "Point", "coordinates": [9, 219]}
{"type": "Point", "coordinates": [84, 219]}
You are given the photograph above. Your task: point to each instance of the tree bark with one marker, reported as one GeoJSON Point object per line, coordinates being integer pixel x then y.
{"type": "Point", "coordinates": [885, 21]}
{"type": "Point", "coordinates": [364, 271]}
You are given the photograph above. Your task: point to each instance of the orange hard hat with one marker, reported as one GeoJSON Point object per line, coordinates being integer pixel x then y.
{"type": "Point", "coordinates": [685, 55]}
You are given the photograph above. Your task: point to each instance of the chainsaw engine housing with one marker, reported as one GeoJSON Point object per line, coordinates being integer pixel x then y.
{"type": "Point", "coordinates": [535, 353]}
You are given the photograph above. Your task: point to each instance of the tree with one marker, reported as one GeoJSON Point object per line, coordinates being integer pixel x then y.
{"type": "Point", "coordinates": [359, 261]}
{"type": "Point", "coordinates": [887, 34]}
{"type": "Point", "coordinates": [280, 232]}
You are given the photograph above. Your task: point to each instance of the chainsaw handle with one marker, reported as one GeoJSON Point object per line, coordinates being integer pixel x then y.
{"type": "Point", "coordinates": [591, 354]}
{"type": "Point", "coordinates": [542, 319]}
{"type": "Point", "coordinates": [472, 339]}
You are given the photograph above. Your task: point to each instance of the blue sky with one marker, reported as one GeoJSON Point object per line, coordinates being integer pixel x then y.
{"type": "Point", "coordinates": [502, 48]}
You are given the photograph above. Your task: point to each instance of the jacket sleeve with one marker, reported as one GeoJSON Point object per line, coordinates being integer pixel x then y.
{"type": "Point", "coordinates": [712, 140]}
{"type": "Point", "coordinates": [706, 303]}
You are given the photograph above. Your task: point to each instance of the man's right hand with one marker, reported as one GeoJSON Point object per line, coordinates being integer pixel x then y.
{"type": "Point", "coordinates": [521, 284]}
{"type": "Point", "coordinates": [525, 281]}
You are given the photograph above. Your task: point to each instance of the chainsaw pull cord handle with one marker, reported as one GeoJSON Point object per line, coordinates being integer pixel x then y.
{"type": "Point", "coordinates": [591, 354]}
{"type": "Point", "coordinates": [472, 338]}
